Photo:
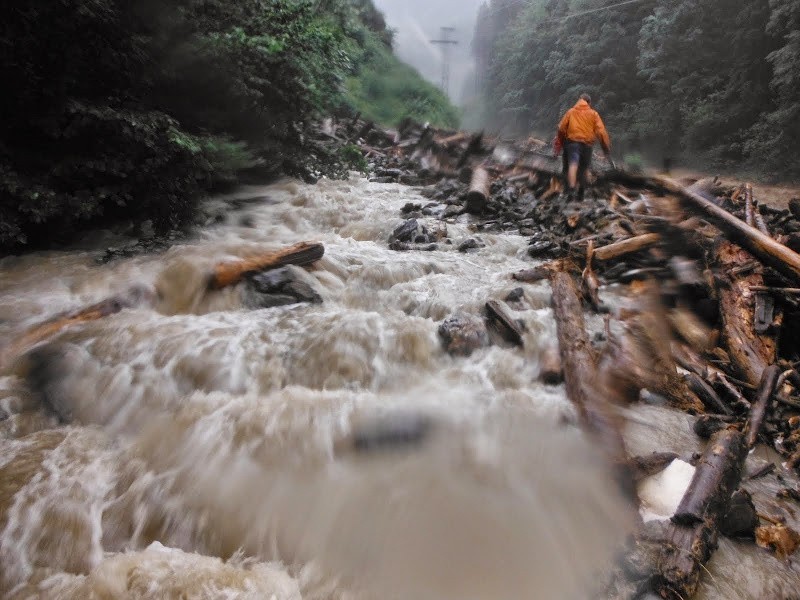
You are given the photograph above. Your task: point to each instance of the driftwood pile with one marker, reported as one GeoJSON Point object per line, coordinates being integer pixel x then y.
{"type": "Point", "coordinates": [712, 280]}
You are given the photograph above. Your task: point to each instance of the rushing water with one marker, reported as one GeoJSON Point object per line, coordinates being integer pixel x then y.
{"type": "Point", "coordinates": [211, 451]}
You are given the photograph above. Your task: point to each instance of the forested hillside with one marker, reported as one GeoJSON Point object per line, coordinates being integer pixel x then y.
{"type": "Point", "coordinates": [119, 109]}
{"type": "Point", "coordinates": [710, 80]}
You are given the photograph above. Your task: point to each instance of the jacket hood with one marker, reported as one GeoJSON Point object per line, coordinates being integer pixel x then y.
{"type": "Point", "coordinates": [582, 104]}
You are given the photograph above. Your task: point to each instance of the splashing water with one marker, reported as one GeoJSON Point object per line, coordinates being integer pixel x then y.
{"type": "Point", "coordinates": [317, 451]}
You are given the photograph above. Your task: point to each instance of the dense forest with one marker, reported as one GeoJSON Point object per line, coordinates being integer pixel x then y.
{"type": "Point", "coordinates": [131, 109]}
{"type": "Point", "coordinates": [715, 82]}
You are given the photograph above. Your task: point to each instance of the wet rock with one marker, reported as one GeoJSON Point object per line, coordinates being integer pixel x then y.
{"type": "Point", "coordinates": [409, 179]}
{"type": "Point", "coordinates": [405, 232]}
{"type": "Point", "coordinates": [279, 287]}
{"type": "Point", "coordinates": [410, 207]}
{"type": "Point", "coordinates": [432, 209]}
{"type": "Point", "coordinates": [515, 295]}
{"type": "Point", "coordinates": [451, 211]}
{"type": "Point", "coordinates": [429, 248]}
{"type": "Point", "coordinates": [541, 249]}
{"type": "Point", "coordinates": [394, 432]}
{"type": "Point", "coordinates": [398, 246]}
{"type": "Point", "coordinates": [381, 180]}
{"type": "Point", "coordinates": [422, 239]}
{"type": "Point", "coordinates": [388, 173]}
{"type": "Point", "coordinates": [47, 367]}
{"type": "Point", "coordinates": [470, 244]}
{"type": "Point", "coordinates": [741, 519]}
{"type": "Point", "coordinates": [463, 334]}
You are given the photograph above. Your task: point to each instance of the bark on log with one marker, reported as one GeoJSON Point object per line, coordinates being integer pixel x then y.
{"type": "Point", "coordinates": [231, 273]}
{"type": "Point", "coordinates": [478, 194]}
{"type": "Point", "coordinates": [621, 248]}
{"type": "Point", "coordinates": [506, 325]}
{"type": "Point", "coordinates": [580, 374]}
{"type": "Point", "coordinates": [717, 476]}
{"type": "Point", "coordinates": [750, 352]}
{"type": "Point", "coordinates": [135, 296]}
{"type": "Point", "coordinates": [760, 406]}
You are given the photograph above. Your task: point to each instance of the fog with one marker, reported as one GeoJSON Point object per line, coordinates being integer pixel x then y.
{"type": "Point", "coordinates": [417, 22]}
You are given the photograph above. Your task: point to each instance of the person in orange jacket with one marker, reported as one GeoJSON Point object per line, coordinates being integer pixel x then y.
{"type": "Point", "coordinates": [577, 132]}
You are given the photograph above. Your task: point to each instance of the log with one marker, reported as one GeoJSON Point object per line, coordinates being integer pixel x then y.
{"type": "Point", "coordinates": [760, 245]}
{"type": "Point", "coordinates": [749, 351]}
{"type": "Point", "coordinates": [479, 191]}
{"type": "Point", "coordinates": [505, 324]}
{"type": "Point", "coordinates": [135, 296]}
{"type": "Point", "coordinates": [707, 395]}
{"type": "Point", "coordinates": [717, 476]}
{"type": "Point", "coordinates": [690, 539]}
{"type": "Point", "coordinates": [232, 272]}
{"type": "Point", "coordinates": [629, 246]}
{"type": "Point", "coordinates": [759, 408]}
{"type": "Point", "coordinates": [580, 375]}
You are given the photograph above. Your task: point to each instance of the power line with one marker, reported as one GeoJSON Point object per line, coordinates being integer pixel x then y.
{"type": "Point", "coordinates": [566, 17]}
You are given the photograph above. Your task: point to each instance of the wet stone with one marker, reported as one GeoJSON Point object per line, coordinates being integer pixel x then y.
{"type": "Point", "coordinates": [410, 207]}
{"type": "Point", "coordinates": [463, 334]}
{"type": "Point", "coordinates": [451, 211]}
{"type": "Point", "coordinates": [278, 287]}
{"type": "Point", "coordinates": [741, 519]}
{"type": "Point", "coordinates": [470, 244]}
{"type": "Point", "coordinates": [405, 232]}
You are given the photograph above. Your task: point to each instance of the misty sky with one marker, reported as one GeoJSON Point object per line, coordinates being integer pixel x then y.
{"type": "Point", "coordinates": [417, 22]}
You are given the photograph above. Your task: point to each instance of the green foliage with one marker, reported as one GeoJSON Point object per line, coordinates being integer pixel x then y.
{"type": "Point", "coordinates": [351, 156]}
{"type": "Point", "coordinates": [123, 109]}
{"type": "Point", "coordinates": [386, 91]}
{"type": "Point", "coordinates": [711, 79]}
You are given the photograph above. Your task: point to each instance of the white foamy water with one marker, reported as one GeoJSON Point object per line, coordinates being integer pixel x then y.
{"type": "Point", "coordinates": [216, 451]}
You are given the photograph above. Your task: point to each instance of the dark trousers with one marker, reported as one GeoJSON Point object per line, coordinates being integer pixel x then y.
{"type": "Point", "coordinates": [580, 153]}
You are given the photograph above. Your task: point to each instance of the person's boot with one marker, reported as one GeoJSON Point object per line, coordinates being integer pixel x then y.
{"type": "Point", "coordinates": [569, 196]}
{"type": "Point", "coordinates": [581, 192]}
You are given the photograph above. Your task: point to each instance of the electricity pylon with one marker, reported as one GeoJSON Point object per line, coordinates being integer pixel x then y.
{"type": "Point", "coordinates": [446, 44]}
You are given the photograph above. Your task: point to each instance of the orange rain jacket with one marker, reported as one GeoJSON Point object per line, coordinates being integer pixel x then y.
{"type": "Point", "coordinates": [582, 124]}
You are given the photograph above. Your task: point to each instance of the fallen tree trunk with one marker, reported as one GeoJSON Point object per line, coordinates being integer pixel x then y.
{"type": "Point", "coordinates": [479, 192]}
{"type": "Point", "coordinates": [749, 351]}
{"type": "Point", "coordinates": [580, 375]}
{"type": "Point", "coordinates": [231, 273]}
{"type": "Point", "coordinates": [623, 247]}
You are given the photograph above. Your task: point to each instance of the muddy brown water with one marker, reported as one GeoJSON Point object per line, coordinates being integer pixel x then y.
{"type": "Point", "coordinates": [210, 451]}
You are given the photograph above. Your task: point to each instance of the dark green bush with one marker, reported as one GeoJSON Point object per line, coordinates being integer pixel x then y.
{"type": "Point", "coordinates": [131, 109]}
